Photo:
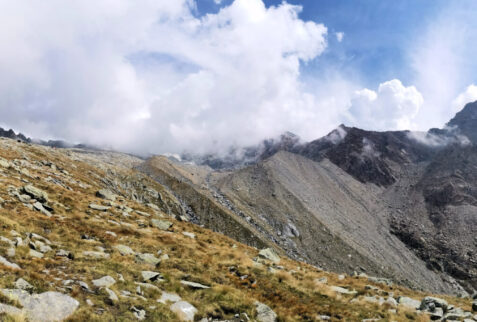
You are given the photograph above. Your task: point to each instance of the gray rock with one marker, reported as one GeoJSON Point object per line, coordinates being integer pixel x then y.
{"type": "Point", "coordinates": [437, 314]}
{"type": "Point", "coordinates": [138, 313]}
{"type": "Point", "coordinates": [184, 310]}
{"type": "Point", "coordinates": [106, 194]}
{"type": "Point", "coordinates": [99, 207]}
{"type": "Point", "coordinates": [474, 306]}
{"type": "Point", "coordinates": [124, 250]}
{"type": "Point", "coordinates": [39, 207]}
{"type": "Point", "coordinates": [45, 249]}
{"type": "Point", "coordinates": [111, 233]}
{"type": "Point", "coordinates": [11, 252]}
{"type": "Point", "coordinates": [48, 306]}
{"type": "Point", "coordinates": [39, 237]}
{"type": "Point", "coordinates": [10, 310]}
{"type": "Point", "coordinates": [188, 234]}
{"type": "Point", "coordinates": [270, 254]}
{"type": "Point", "coordinates": [35, 193]}
{"type": "Point", "coordinates": [34, 253]}
{"type": "Point", "coordinates": [105, 281]}
{"type": "Point", "coordinates": [194, 285]}
{"type": "Point", "coordinates": [64, 253]}
{"type": "Point", "coordinates": [150, 276]}
{"type": "Point", "coordinates": [265, 313]}
{"type": "Point", "coordinates": [342, 290]}
{"type": "Point", "coordinates": [457, 314]}
{"type": "Point", "coordinates": [146, 286]}
{"type": "Point", "coordinates": [380, 280]}
{"type": "Point", "coordinates": [169, 297]}
{"type": "Point", "coordinates": [428, 302]}
{"type": "Point", "coordinates": [7, 241]}
{"type": "Point", "coordinates": [4, 163]}
{"type": "Point", "coordinates": [24, 198]}
{"type": "Point", "coordinates": [391, 302]}
{"type": "Point", "coordinates": [409, 302]}
{"type": "Point", "coordinates": [5, 262]}
{"type": "Point", "coordinates": [142, 213]}
{"type": "Point", "coordinates": [83, 285]}
{"type": "Point", "coordinates": [112, 297]}
{"type": "Point", "coordinates": [21, 284]}
{"type": "Point", "coordinates": [96, 255]}
{"type": "Point", "coordinates": [147, 259]}
{"type": "Point", "coordinates": [161, 224]}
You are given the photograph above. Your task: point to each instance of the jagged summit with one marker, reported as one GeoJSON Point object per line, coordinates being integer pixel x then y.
{"type": "Point", "coordinates": [466, 121]}
{"type": "Point", "coordinates": [12, 135]}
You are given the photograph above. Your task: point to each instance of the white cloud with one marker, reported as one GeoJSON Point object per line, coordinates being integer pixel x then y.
{"type": "Point", "coordinates": [443, 59]}
{"type": "Point", "coordinates": [339, 36]}
{"type": "Point", "coordinates": [392, 107]}
{"type": "Point", "coordinates": [468, 96]}
{"type": "Point", "coordinates": [218, 1]}
{"type": "Point", "coordinates": [153, 77]}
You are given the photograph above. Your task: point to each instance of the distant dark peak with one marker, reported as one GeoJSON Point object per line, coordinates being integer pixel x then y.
{"type": "Point", "coordinates": [12, 135]}
{"type": "Point", "coordinates": [466, 121]}
{"type": "Point", "coordinates": [58, 144]}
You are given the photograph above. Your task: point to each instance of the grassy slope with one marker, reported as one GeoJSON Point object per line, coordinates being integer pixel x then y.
{"type": "Point", "coordinates": [292, 292]}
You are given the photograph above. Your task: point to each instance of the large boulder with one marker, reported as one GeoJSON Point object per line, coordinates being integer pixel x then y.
{"type": "Point", "coordinates": [124, 250]}
{"type": "Point", "coordinates": [270, 254]}
{"type": "Point", "coordinates": [48, 306]}
{"type": "Point", "coordinates": [150, 276]}
{"type": "Point", "coordinates": [429, 302]}
{"type": "Point", "coordinates": [184, 310]}
{"type": "Point", "coordinates": [35, 193]}
{"type": "Point", "coordinates": [265, 313]}
{"type": "Point", "coordinates": [147, 259]}
{"type": "Point", "coordinates": [105, 281]}
{"type": "Point", "coordinates": [161, 224]}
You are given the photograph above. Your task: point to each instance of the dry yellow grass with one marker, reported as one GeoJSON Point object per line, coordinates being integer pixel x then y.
{"type": "Point", "coordinates": [236, 279]}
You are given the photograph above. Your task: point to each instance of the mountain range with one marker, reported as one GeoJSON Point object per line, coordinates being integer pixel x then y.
{"type": "Point", "coordinates": [399, 204]}
{"type": "Point", "coordinates": [355, 225]}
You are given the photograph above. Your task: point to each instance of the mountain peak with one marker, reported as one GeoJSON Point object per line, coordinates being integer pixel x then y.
{"type": "Point", "coordinates": [466, 121]}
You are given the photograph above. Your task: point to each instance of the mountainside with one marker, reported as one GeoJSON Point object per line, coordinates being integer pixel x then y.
{"type": "Point", "coordinates": [86, 237]}
{"type": "Point", "coordinates": [110, 235]}
{"type": "Point", "coordinates": [408, 196]}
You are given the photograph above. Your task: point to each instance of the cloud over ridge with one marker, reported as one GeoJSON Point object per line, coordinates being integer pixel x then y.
{"type": "Point", "coordinates": [156, 77]}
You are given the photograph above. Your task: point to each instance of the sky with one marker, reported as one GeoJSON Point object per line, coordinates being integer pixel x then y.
{"type": "Point", "coordinates": [160, 76]}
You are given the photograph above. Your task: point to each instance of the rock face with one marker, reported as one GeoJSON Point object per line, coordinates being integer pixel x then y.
{"type": "Point", "coordinates": [48, 306]}
{"type": "Point", "coordinates": [409, 196]}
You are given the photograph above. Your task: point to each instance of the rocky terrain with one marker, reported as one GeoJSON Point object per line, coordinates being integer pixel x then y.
{"type": "Point", "coordinates": [85, 236]}
{"type": "Point", "coordinates": [396, 204]}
